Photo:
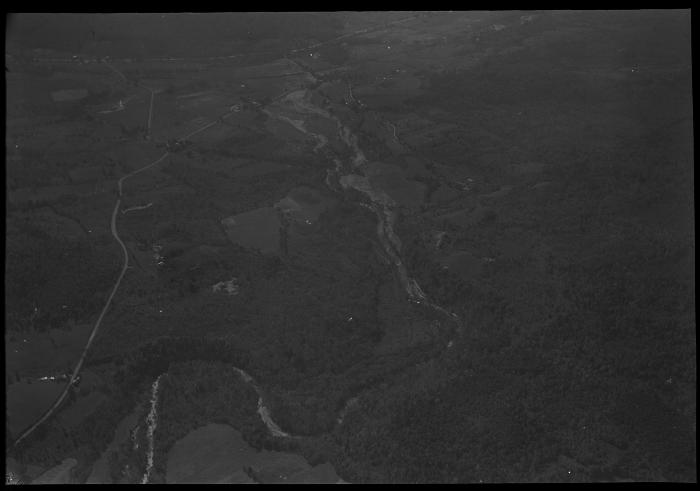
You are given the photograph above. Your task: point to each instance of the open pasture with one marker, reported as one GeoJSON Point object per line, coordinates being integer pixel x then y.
{"type": "Point", "coordinates": [217, 453]}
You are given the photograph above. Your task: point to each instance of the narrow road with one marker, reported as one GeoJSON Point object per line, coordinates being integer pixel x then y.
{"type": "Point", "coordinates": [134, 208]}
{"type": "Point", "coordinates": [96, 327]}
{"type": "Point", "coordinates": [108, 303]}
{"type": "Point", "coordinates": [207, 126]}
{"type": "Point", "coordinates": [76, 371]}
{"type": "Point", "coordinates": [133, 173]}
{"type": "Point", "coordinates": [115, 71]}
{"type": "Point", "coordinates": [150, 109]}
{"type": "Point", "coordinates": [47, 414]}
{"type": "Point", "coordinates": [123, 77]}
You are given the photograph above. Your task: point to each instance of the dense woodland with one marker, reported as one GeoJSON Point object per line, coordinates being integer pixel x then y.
{"type": "Point", "coordinates": [583, 329]}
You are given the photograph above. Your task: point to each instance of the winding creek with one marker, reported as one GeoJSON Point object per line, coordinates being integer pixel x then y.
{"type": "Point", "coordinates": [152, 419]}
{"type": "Point", "coordinates": [382, 204]}
{"type": "Point", "coordinates": [263, 411]}
{"type": "Point", "coordinates": [152, 424]}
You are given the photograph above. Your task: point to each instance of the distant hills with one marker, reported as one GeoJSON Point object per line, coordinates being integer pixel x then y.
{"type": "Point", "coordinates": [149, 34]}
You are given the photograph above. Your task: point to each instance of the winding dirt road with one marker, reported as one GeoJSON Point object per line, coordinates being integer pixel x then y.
{"type": "Point", "coordinates": [108, 303]}
{"type": "Point", "coordinates": [113, 225]}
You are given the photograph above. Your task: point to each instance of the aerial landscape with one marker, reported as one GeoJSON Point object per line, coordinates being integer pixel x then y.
{"type": "Point", "coordinates": [350, 247]}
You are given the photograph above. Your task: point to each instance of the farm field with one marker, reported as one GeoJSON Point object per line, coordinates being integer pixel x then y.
{"type": "Point", "coordinates": [218, 454]}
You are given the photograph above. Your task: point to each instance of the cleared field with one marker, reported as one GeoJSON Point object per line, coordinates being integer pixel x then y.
{"type": "Point", "coordinates": [218, 454]}
{"type": "Point", "coordinates": [407, 193]}
{"type": "Point", "coordinates": [27, 401]}
{"type": "Point", "coordinates": [212, 454]}
{"type": "Point", "coordinates": [202, 99]}
{"type": "Point", "coordinates": [257, 229]}
{"type": "Point", "coordinates": [46, 220]}
{"type": "Point", "coordinates": [286, 129]}
{"type": "Point", "coordinates": [100, 469]}
{"type": "Point", "coordinates": [57, 475]}
{"type": "Point", "coordinates": [73, 415]}
{"type": "Point", "coordinates": [392, 180]}
{"type": "Point", "coordinates": [335, 91]}
{"type": "Point", "coordinates": [321, 125]}
{"type": "Point", "coordinates": [276, 68]}
{"type": "Point", "coordinates": [42, 353]}
{"type": "Point", "coordinates": [23, 196]}
{"type": "Point", "coordinates": [304, 204]}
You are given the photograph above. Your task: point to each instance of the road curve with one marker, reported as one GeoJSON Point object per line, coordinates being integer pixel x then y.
{"type": "Point", "coordinates": [96, 327]}
{"type": "Point", "coordinates": [133, 173]}
{"type": "Point", "coordinates": [150, 106]}
{"type": "Point", "coordinates": [108, 303]}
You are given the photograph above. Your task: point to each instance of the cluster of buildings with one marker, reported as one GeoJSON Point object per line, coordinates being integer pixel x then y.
{"type": "Point", "coordinates": [230, 287]}
{"type": "Point", "coordinates": [160, 260]}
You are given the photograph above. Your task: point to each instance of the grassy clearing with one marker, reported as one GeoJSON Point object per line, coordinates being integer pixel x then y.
{"type": "Point", "coordinates": [258, 229]}
{"type": "Point", "coordinates": [61, 474]}
{"type": "Point", "coordinates": [42, 353]}
{"type": "Point", "coordinates": [305, 204]}
{"type": "Point", "coordinates": [217, 453]}
{"type": "Point", "coordinates": [212, 454]}
{"type": "Point", "coordinates": [26, 402]}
